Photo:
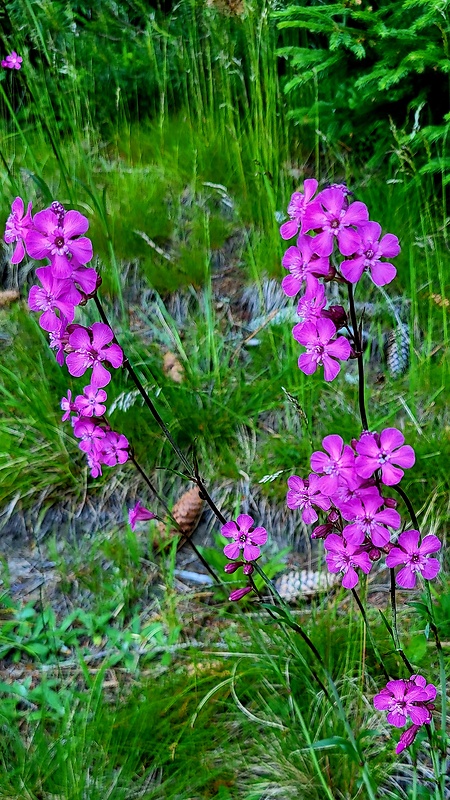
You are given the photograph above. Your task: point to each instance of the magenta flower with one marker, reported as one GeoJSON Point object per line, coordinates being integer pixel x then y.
{"type": "Point", "coordinates": [17, 228]}
{"type": "Point", "coordinates": [367, 256]}
{"type": "Point", "coordinates": [89, 433]}
{"type": "Point", "coordinates": [297, 207]}
{"type": "Point", "coordinates": [94, 464]}
{"type": "Point", "coordinates": [59, 339]}
{"type": "Point", "coordinates": [382, 452]}
{"type": "Point", "coordinates": [303, 263]}
{"type": "Point", "coordinates": [402, 698]}
{"type": "Point", "coordinates": [67, 406]}
{"type": "Point", "coordinates": [13, 61]}
{"type": "Point", "coordinates": [139, 514]}
{"type": "Point", "coordinates": [238, 594]}
{"type": "Point", "coordinates": [321, 348]}
{"type": "Point", "coordinates": [89, 350]}
{"type": "Point", "coordinates": [346, 558]}
{"type": "Point", "coordinates": [245, 538]}
{"type": "Point", "coordinates": [415, 557]}
{"type": "Point", "coordinates": [54, 236]}
{"type": "Point", "coordinates": [311, 305]}
{"type": "Point", "coordinates": [304, 494]}
{"type": "Point", "coordinates": [54, 295]}
{"type": "Point", "coordinates": [333, 217]}
{"type": "Point", "coordinates": [90, 403]}
{"type": "Point", "coordinates": [367, 521]}
{"type": "Point", "coordinates": [339, 463]}
{"type": "Point", "coordinates": [359, 489]}
{"type": "Point", "coordinates": [113, 449]}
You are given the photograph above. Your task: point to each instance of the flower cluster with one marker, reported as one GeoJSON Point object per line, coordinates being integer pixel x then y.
{"type": "Point", "coordinates": [246, 538]}
{"type": "Point", "coordinates": [65, 283]}
{"type": "Point", "coordinates": [411, 698]}
{"type": "Point", "coordinates": [13, 61]}
{"type": "Point", "coordinates": [348, 482]}
{"type": "Point", "coordinates": [328, 222]}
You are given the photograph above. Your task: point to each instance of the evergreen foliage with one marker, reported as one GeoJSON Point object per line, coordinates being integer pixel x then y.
{"type": "Point", "coordinates": [364, 71]}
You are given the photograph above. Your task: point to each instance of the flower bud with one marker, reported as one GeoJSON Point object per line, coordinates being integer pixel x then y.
{"type": "Point", "coordinates": [389, 502]}
{"type": "Point", "coordinates": [238, 594]}
{"type": "Point", "coordinates": [232, 566]}
{"type": "Point", "coordinates": [248, 569]}
{"type": "Point", "coordinates": [322, 531]}
{"type": "Point", "coordinates": [374, 554]}
{"type": "Point", "coordinates": [333, 516]}
{"type": "Point", "coordinates": [337, 314]}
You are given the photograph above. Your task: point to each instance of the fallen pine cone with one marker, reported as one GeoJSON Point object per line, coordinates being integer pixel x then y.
{"type": "Point", "coordinates": [8, 296]}
{"type": "Point", "coordinates": [173, 368]}
{"type": "Point", "coordinates": [187, 512]}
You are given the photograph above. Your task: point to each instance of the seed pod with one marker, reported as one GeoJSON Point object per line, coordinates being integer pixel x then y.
{"type": "Point", "coordinates": [187, 512]}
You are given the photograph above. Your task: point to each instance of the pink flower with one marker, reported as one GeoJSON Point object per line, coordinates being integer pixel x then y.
{"type": "Point", "coordinates": [297, 207]}
{"type": "Point", "coordinates": [311, 305]}
{"type": "Point", "coordinates": [303, 263]}
{"type": "Point", "coordinates": [67, 406]}
{"type": "Point", "coordinates": [358, 489]}
{"type": "Point", "coordinates": [238, 594]}
{"type": "Point", "coordinates": [339, 463]}
{"type": "Point", "coordinates": [368, 254]}
{"type": "Point", "coordinates": [139, 514]}
{"type": "Point", "coordinates": [245, 538]}
{"type": "Point", "coordinates": [17, 228]}
{"type": "Point", "coordinates": [346, 558]}
{"type": "Point", "coordinates": [54, 236]}
{"type": "Point", "coordinates": [13, 61]}
{"type": "Point", "coordinates": [321, 348]}
{"type": "Point", "coordinates": [382, 452]}
{"type": "Point", "coordinates": [54, 295]}
{"type": "Point", "coordinates": [403, 698]}
{"type": "Point", "coordinates": [367, 521]}
{"type": "Point", "coordinates": [332, 216]}
{"type": "Point", "coordinates": [94, 464]}
{"type": "Point", "coordinates": [89, 433]}
{"type": "Point", "coordinates": [89, 350]}
{"type": "Point", "coordinates": [90, 403]}
{"type": "Point", "coordinates": [415, 557]}
{"type": "Point", "coordinates": [113, 449]}
{"type": "Point", "coordinates": [304, 494]}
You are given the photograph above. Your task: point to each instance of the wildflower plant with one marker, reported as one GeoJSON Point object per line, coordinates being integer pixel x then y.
{"type": "Point", "coordinates": [350, 483]}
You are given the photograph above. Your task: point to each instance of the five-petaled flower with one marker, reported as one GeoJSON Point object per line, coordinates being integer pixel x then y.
{"type": "Point", "coordinates": [331, 215]}
{"type": "Point", "coordinates": [57, 236]}
{"type": "Point", "coordinates": [367, 521]}
{"type": "Point", "coordinates": [139, 513]}
{"type": "Point", "coordinates": [17, 228]}
{"type": "Point", "coordinates": [297, 207]}
{"type": "Point", "coordinates": [303, 264]}
{"type": "Point", "coordinates": [406, 698]}
{"type": "Point", "coordinates": [368, 254]}
{"type": "Point", "coordinates": [12, 61]}
{"type": "Point", "coordinates": [90, 347]}
{"type": "Point", "coordinates": [245, 537]}
{"type": "Point", "coordinates": [304, 494]}
{"type": "Point", "coordinates": [415, 557]}
{"type": "Point", "coordinates": [382, 451]}
{"type": "Point", "coordinates": [54, 295]}
{"type": "Point", "coordinates": [321, 347]}
{"type": "Point", "coordinates": [346, 558]}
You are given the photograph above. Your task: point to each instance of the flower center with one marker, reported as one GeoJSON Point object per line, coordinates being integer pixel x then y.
{"type": "Point", "coordinates": [369, 254]}
{"type": "Point", "coordinates": [334, 223]}
{"type": "Point", "coordinates": [59, 242]}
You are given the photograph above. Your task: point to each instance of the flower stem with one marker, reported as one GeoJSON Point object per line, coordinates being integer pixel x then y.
{"type": "Point", "coordinates": [359, 355]}
{"type": "Point", "coordinates": [372, 640]}
{"type": "Point", "coordinates": [395, 635]}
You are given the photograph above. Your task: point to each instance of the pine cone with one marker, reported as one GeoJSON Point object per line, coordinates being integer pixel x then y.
{"type": "Point", "coordinates": [8, 296]}
{"type": "Point", "coordinates": [397, 350]}
{"type": "Point", "coordinates": [303, 583]}
{"type": "Point", "coordinates": [187, 512]}
{"type": "Point", "coordinates": [173, 368]}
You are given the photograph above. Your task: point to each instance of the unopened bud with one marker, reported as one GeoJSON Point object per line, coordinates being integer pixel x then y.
{"type": "Point", "coordinates": [248, 569]}
{"type": "Point", "coordinates": [374, 554]}
{"type": "Point", "coordinates": [337, 314]}
{"type": "Point", "coordinates": [321, 531]}
{"type": "Point", "coordinates": [389, 502]}
{"type": "Point", "coordinates": [333, 516]}
{"type": "Point", "coordinates": [232, 566]}
{"type": "Point", "coordinates": [239, 593]}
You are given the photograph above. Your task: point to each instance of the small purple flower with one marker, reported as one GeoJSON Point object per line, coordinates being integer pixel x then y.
{"type": "Point", "coordinates": [403, 698]}
{"type": "Point", "coordinates": [367, 521]}
{"type": "Point", "coordinates": [94, 464]}
{"type": "Point", "coordinates": [297, 207]}
{"type": "Point", "coordinates": [17, 228]}
{"type": "Point", "coordinates": [89, 349]}
{"type": "Point", "coordinates": [415, 557]}
{"type": "Point", "coordinates": [238, 594]}
{"type": "Point", "coordinates": [245, 538]}
{"type": "Point", "coordinates": [382, 452]}
{"type": "Point", "coordinates": [57, 237]}
{"type": "Point", "coordinates": [304, 264]}
{"type": "Point", "coordinates": [67, 406]}
{"type": "Point", "coordinates": [312, 303]}
{"type": "Point", "coordinates": [13, 61]}
{"type": "Point", "coordinates": [54, 295]}
{"type": "Point", "coordinates": [333, 217]}
{"type": "Point", "coordinates": [90, 403]}
{"type": "Point", "coordinates": [139, 513]}
{"type": "Point", "coordinates": [339, 463]}
{"type": "Point", "coordinates": [321, 348]}
{"type": "Point", "coordinates": [346, 558]}
{"type": "Point", "coordinates": [113, 449]}
{"type": "Point", "coordinates": [304, 494]}
{"type": "Point", "coordinates": [89, 433]}
{"type": "Point", "coordinates": [367, 257]}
